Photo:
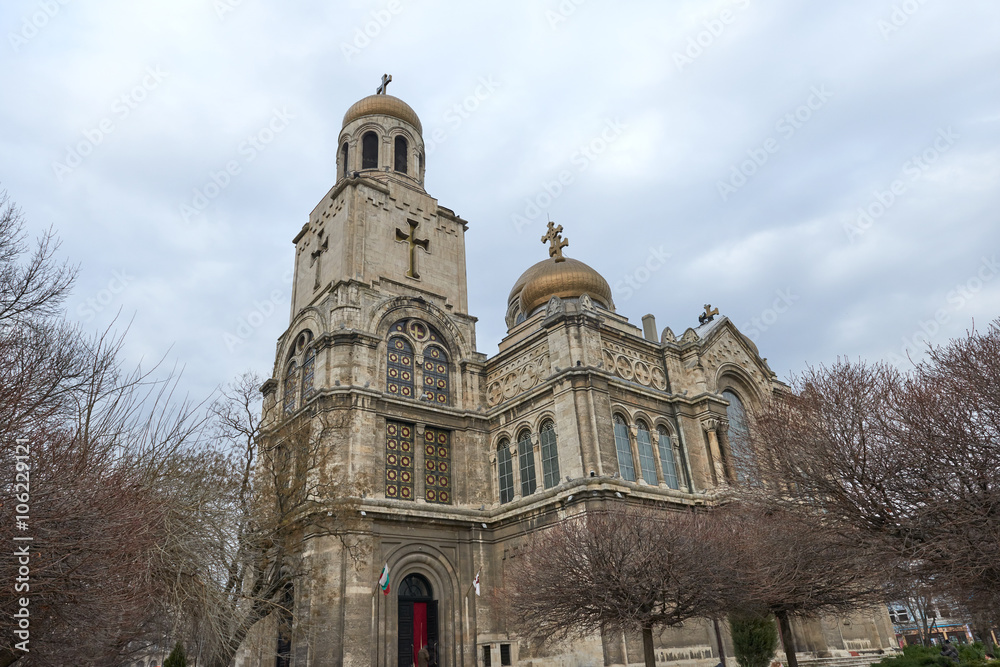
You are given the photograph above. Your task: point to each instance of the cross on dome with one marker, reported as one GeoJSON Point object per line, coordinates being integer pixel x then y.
{"type": "Point", "coordinates": [381, 90]}
{"type": "Point", "coordinates": [556, 242]}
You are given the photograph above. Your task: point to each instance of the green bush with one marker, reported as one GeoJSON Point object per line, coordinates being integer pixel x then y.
{"type": "Point", "coordinates": [973, 655]}
{"type": "Point", "coordinates": [176, 657]}
{"type": "Point", "coordinates": [755, 639]}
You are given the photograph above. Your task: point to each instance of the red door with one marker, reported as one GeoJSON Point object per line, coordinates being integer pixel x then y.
{"type": "Point", "coordinates": [419, 628]}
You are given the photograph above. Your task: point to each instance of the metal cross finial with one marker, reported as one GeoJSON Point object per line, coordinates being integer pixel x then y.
{"type": "Point", "coordinates": [556, 242]}
{"type": "Point", "coordinates": [708, 315]}
{"type": "Point", "coordinates": [414, 243]}
{"type": "Point", "coordinates": [386, 78]}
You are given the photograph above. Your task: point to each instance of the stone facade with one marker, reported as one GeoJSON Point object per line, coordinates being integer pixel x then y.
{"type": "Point", "coordinates": [463, 457]}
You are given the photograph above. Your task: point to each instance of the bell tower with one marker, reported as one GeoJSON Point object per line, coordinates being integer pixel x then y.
{"type": "Point", "coordinates": [377, 226]}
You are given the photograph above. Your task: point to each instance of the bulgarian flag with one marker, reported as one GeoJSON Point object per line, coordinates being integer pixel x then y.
{"type": "Point", "coordinates": [383, 581]}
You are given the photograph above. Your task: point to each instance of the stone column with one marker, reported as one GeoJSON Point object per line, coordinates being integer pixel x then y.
{"type": "Point", "coordinates": [711, 426]}
{"type": "Point", "coordinates": [633, 443]}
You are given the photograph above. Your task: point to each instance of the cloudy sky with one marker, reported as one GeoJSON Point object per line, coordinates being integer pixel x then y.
{"type": "Point", "coordinates": [826, 174]}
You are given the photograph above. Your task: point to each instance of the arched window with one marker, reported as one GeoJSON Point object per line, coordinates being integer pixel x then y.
{"type": "Point", "coordinates": [737, 434]}
{"type": "Point", "coordinates": [291, 382]}
{"type": "Point", "coordinates": [309, 374]}
{"type": "Point", "coordinates": [526, 455]}
{"type": "Point", "coordinates": [399, 370]}
{"type": "Point", "coordinates": [435, 375]}
{"type": "Point", "coordinates": [647, 464]}
{"type": "Point", "coordinates": [415, 587]}
{"type": "Point", "coordinates": [505, 472]}
{"type": "Point", "coordinates": [667, 458]}
{"type": "Point", "coordinates": [398, 461]}
{"type": "Point", "coordinates": [550, 454]}
{"type": "Point", "coordinates": [437, 466]}
{"type": "Point", "coordinates": [624, 448]}
{"type": "Point", "coordinates": [400, 151]}
{"type": "Point", "coordinates": [344, 167]}
{"type": "Point", "coordinates": [369, 151]}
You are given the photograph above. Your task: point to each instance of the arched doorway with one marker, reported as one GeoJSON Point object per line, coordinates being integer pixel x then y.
{"type": "Point", "coordinates": [418, 619]}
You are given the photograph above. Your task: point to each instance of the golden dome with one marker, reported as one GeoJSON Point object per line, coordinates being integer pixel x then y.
{"type": "Point", "coordinates": [567, 279]}
{"type": "Point", "coordinates": [385, 105]}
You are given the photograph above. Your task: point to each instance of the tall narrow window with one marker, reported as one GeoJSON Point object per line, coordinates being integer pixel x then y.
{"type": "Point", "coordinates": [309, 375]}
{"type": "Point", "coordinates": [344, 167]}
{"type": "Point", "coordinates": [667, 458]}
{"type": "Point", "coordinates": [435, 375]}
{"type": "Point", "coordinates": [526, 455]}
{"type": "Point", "coordinates": [399, 369]}
{"type": "Point", "coordinates": [505, 472]}
{"type": "Point", "coordinates": [737, 434]}
{"type": "Point", "coordinates": [369, 151]}
{"type": "Point", "coordinates": [550, 454]}
{"type": "Point", "coordinates": [400, 154]}
{"type": "Point", "coordinates": [291, 382]}
{"type": "Point", "coordinates": [283, 657]}
{"type": "Point", "coordinates": [624, 449]}
{"type": "Point", "coordinates": [437, 466]}
{"type": "Point", "coordinates": [647, 464]}
{"type": "Point", "coordinates": [398, 461]}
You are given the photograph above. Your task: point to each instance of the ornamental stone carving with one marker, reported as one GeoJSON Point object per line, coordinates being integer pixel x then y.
{"type": "Point", "coordinates": [518, 376]}
{"type": "Point", "coordinates": [634, 366]}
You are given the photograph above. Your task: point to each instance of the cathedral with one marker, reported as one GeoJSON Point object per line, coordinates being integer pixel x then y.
{"type": "Point", "coordinates": [458, 458]}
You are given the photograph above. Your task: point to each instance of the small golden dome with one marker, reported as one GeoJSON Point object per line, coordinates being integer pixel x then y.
{"type": "Point", "coordinates": [385, 105]}
{"type": "Point", "coordinates": [566, 279]}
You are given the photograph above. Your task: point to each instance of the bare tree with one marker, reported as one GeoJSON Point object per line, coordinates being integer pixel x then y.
{"type": "Point", "coordinates": [917, 595]}
{"type": "Point", "coordinates": [98, 438]}
{"type": "Point", "coordinates": [238, 526]}
{"type": "Point", "coordinates": [793, 566]}
{"type": "Point", "coordinates": [907, 461]}
{"type": "Point", "coordinates": [616, 570]}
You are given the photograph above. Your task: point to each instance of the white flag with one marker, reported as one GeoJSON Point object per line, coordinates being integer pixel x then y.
{"type": "Point", "coordinates": [475, 583]}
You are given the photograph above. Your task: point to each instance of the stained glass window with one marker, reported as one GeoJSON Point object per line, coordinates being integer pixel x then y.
{"type": "Point", "coordinates": [505, 472]}
{"type": "Point", "coordinates": [398, 461]}
{"type": "Point", "coordinates": [291, 377]}
{"type": "Point", "coordinates": [437, 466]}
{"type": "Point", "coordinates": [550, 454]}
{"type": "Point", "coordinates": [667, 458]}
{"type": "Point", "coordinates": [624, 449]}
{"type": "Point", "coordinates": [400, 368]}
{"type": "Point", "coordinates": [526, 455]}
{"type": "Point", "coordinates": [647, 464]}
{"type": "Point", "coordinates": [309, 375]}
{"type": "Point", "coordinates": [435, 375]}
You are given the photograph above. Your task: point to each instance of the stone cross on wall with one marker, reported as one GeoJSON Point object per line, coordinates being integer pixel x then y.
{"type": "Point", "coordinates": [414, 243]}
{"type": "Point", "coordinates": [556, 242]}
{"type": "Point", "coordinates": [381, 90]}
{"type": "Point", "coordinates": [316, 256]}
